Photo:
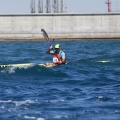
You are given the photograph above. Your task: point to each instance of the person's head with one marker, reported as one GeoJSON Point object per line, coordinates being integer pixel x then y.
{"type": "Point", "coordinates": [57, 47]}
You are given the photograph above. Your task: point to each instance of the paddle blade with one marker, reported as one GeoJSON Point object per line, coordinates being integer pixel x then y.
{"type": "Point", "coordinates": [45, 35]}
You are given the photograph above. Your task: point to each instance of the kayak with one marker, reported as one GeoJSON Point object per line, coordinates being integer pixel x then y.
{"type": "Point", "coordinates": [25, 65]}
{"type": "Point", "coordinates": [104, 61]}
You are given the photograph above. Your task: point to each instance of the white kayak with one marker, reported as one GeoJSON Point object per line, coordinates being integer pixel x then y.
{"type": "Point", "coordinates": [104, 61]}
{"type": "Point", "coordinates": [24, 65]}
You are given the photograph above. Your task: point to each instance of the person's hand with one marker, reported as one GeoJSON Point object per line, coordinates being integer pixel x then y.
{"type": "Point", "coordinates": [51, 47]}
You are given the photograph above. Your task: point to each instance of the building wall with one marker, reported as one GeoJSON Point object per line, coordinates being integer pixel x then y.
{"type": "Point", "coordinates": [63, 26]}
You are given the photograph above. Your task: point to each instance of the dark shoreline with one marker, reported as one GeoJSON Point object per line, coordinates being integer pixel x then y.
{"type": "Point", "coordinates": [42, 40]}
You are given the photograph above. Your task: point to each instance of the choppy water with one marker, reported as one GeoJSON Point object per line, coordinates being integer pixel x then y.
{"type": "Point", "coordinates": [83, 89]}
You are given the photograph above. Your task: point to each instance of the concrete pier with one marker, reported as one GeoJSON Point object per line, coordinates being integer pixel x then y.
{"type": "Point", "coordinates": [60, 26]}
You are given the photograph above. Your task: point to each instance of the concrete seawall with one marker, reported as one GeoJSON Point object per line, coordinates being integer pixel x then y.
{"type": "Point", "coordinates": [60, 26]}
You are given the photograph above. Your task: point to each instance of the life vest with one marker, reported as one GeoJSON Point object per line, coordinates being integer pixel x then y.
{"type": "Point", "coordinates": [56, 59]}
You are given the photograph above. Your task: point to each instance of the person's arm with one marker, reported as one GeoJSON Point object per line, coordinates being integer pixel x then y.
{"type": "Point", "coordinates": [63, 58]}
{"type": "Point", "coordinates": [49, 50]}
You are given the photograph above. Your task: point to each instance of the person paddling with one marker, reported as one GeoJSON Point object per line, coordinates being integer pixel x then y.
{"type": "Point", "coordinates": [59, 56]}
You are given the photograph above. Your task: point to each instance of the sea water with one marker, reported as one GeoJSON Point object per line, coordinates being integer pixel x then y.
{"type": "Point", "coordinates": [86, 88]}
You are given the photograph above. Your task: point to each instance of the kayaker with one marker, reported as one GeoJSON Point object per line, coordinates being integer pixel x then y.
{"type": "Point", "coordinates": [59, 56]}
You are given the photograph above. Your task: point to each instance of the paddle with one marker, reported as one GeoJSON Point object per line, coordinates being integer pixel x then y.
{"type": "Point", "coordinates": [45, 36]}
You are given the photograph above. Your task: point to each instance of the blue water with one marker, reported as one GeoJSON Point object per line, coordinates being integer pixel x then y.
{"type": "Point", "coordinates": [86, 88]}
